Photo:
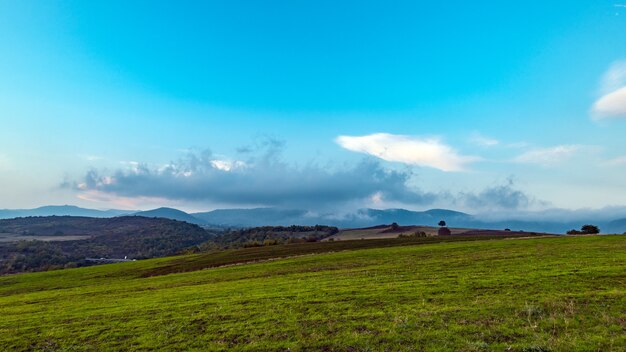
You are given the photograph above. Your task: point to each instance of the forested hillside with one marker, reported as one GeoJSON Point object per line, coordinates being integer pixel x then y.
{"type": "Point", "coordinates": [131, 237]}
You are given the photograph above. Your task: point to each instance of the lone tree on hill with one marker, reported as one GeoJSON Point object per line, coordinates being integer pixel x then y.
{"type": "Point", "coordinates": [443, 230]}
{"type": "Point", "coordinates": [590, 229]}
{"type": "Point", "coordinates": [585, 230]}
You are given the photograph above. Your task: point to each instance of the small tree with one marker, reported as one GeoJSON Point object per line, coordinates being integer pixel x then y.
{"type": "Point", "coordinates": [590, 229]}
{"type": "Point", "coordinates": [585, 230]}
{"type": "Point", "coordinates": [442, 223]}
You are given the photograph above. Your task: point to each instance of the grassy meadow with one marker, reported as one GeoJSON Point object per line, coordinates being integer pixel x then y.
{"type": "Point", "coordinates": [540, 294]}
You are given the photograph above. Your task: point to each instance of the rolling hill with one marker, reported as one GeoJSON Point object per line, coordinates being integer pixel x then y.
{"type": "Point", "coordinates": [617, 226]}
{"type": "Point", "coordinates": [547, 294]}
{"type": "Point", "coordinates": [119, 237]}
{"type": "Point", "coordinates": [171, 213]}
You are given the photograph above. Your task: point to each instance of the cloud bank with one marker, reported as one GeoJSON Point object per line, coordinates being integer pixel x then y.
{"type": "Point", "coordinates": [612, 103]}
{"type": "Point", "coordinates": [428, 152]}
{"type": "Point", "coordinates": [548, 156]}
{"type": "Point", "coordinates": [499, 197]}
{"type": "Point", "coordinates": [263, 181]}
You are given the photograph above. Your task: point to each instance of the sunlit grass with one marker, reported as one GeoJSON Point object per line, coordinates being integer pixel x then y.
{"type": "Point", "coordinates": [560, 294]}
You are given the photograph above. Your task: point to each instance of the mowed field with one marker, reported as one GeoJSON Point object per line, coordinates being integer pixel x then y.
{"type": "Point", "coordinates": [542, 294]}
{"type": "Point", "coordinates": [11, 237]}
{"type": "Point", "coordinates": [387, 232]}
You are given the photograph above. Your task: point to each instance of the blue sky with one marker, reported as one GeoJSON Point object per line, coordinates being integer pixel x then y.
{"type": "Point", "coordinates": [477, 106]}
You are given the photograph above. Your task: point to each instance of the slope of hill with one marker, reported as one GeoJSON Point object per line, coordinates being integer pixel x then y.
{"type": "Point", "coordinates": [171, 213]}
{"type": "Point", "coordinates": [256, 217]}
{"type": "Point", "coordinates": [551, 294]}
{"type": "Point", "coordinates": [388, 231]}
{"type": "Point", "coordinates": [616, 226]}
{"type": "Point", "coordinates": [119, 237]}
{"type": "Point", "coordinates": [61, 210]}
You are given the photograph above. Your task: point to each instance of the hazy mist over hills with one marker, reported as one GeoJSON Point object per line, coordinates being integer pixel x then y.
{"type": "Point", "coordinates": [556, 220]}
{"type": "Point", "coordinates": [60, 210]}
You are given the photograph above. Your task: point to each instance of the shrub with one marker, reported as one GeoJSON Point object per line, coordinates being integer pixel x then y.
{"type": "Point", "coordinates": [270, 242]}
{"type": "Point", "coordinates": [585, 230]}
{"type": "Point", "coordinates": [250, 244]}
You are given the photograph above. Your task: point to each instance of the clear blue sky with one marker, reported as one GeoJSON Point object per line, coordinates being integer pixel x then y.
{"type": "Point", "coordinates": [469, 105]}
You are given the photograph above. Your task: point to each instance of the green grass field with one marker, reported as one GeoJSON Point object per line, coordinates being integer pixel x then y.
{"type": "Point", "coordinates": [543, 294]}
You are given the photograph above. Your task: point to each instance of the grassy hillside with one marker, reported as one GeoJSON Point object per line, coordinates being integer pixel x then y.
{"type": "Point", "coordinates": [559, 294]}
{"type": "Point", "coordinates": [257, 236]}
{"type": "Point", "coordinates": [386, 231]}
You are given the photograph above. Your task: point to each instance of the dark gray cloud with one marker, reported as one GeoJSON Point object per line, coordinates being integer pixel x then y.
{"type": "Point", "coordinates": [268, 145]}
{"type": "Point", "coordinates": [501, 196]}
{"type": "Point", "coordinates": [498, 197]}
{"type": "Point", "coordinates": [262, 179]}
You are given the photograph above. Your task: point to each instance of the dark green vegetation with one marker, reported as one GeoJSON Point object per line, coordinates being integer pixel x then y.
{"type": "Point", "coordinates": [541, 294]}
{"type": "Point", "coordinates": [54, 242]}
{"type": "Point", "coordinates": [119, 237]}
{"type": "Point", "coordinates": [272, 235]}
{"type": "Point", "coordinates": [585, 230]}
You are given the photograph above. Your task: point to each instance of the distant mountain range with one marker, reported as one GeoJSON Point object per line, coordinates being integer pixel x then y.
{"type": "Point", "coordinates": [361, 218]}
{"type": "Point", "coordinates": [60, 210]}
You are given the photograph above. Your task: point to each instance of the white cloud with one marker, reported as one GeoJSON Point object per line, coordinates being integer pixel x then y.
{"type": "Point", "coordinates": [227, 165]}
{"type": "Point", "coordinates": [548, 156]}
{"type": "Point", "coordinates": [483, 141]}
{"type": "Point", "coordinates": [614, 78]}
{"type": "Point", "coordinates": [612, 103]}
{"type": "Point", "coordinates": [90, 157]}
{"type": "Point", "coordinates": [428, 152]}
{"type": "Point", "coordinates": [621, 160]}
